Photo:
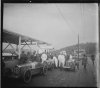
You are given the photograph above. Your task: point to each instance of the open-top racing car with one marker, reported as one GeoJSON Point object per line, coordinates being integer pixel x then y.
{"type": "Point", "coordinates": [13, 69]}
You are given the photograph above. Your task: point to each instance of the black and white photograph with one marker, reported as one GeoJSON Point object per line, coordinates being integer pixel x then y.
{"type": "Point", "coordinates": [50, 45]}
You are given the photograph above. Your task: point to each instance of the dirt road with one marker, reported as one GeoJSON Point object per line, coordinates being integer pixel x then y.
{"type": "Point", "coordinates": [56, 77]}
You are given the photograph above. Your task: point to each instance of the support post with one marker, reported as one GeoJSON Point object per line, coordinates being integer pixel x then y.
{"type": "Point", "coordinates": [78, 46]}
{"type": "Point", "coordinates": [19, 47]}
{"type": "Point", "coordinates": [16, 50]}
{"type": "Point", "coordinates": [36, 48]}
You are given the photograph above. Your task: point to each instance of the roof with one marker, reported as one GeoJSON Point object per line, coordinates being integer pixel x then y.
{"type": "Point", "coordinates": [12, 37]}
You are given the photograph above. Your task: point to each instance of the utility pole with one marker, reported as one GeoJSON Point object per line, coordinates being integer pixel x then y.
{"type": "Point", "coordinates": [19, 47]}
{"type": "Point", "coordinates": [78, 46]}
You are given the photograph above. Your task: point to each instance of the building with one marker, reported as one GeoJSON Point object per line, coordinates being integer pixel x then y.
{"type": "Point", "coordinates": [45, 48]}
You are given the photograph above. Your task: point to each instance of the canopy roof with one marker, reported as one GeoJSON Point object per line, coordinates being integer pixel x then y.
{"type": "Point", "coordinates": [13, 38]}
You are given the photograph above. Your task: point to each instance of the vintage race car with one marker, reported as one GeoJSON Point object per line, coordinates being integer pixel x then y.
{"type": "Point", "coordinates": [70, 65]}
{"type": "Point", "coordinates": [24, 71]}
{"type": "Point", "coordinates": [50, 64]}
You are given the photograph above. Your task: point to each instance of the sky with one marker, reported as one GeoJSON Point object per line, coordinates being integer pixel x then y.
{"type": "Point", "coordinates": [56, 23]}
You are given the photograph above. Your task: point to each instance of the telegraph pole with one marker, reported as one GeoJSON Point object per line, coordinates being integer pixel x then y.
{"type": "Point", "coordinates": [78, 46]}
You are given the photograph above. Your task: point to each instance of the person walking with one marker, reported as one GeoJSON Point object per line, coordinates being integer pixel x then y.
{"type": "Point", "coordinates": [84, 62]}
{"type": "Point", "coordinates": [23, 57]}
{"type": "Point", "coordinates": [93, 58]}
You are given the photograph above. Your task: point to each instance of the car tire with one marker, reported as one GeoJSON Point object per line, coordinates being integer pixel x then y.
{"type": "Point", "coordinates": [52, 66]}
{"type": "Point", "coordinates": [44, 70]}
{"type": "Point", "coordinates": [27, 76]}
{"type": "Point", "coordinates": [73, 67]}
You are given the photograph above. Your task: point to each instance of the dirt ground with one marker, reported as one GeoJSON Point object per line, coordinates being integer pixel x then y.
{"type": "Point", "coordinates": [62, 78]}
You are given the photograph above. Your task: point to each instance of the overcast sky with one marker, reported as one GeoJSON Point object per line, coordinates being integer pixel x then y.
{"type": "Point", "coordinates": [58, 24]}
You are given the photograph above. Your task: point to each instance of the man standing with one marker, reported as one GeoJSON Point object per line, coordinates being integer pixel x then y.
{"type": "Point", "coordinates": [44, 57]}
{"type": "Point", "coordinates": [23, 57]}
{"type": "Point", "coordinates": [84, 61]}
{"type": "Point", "coordinates": [29, 56]}
{"type": "Point", "coordinates": [33, 58]}
{"type": "Point", "coordinates": [70, 58]}
{"type": "Point", "coordinates": [61, 59]}
{"type": "Point", "coordinates": [55, 60]}
{"type": "Point", "coordinates": [92, 58]}
{"type": "Point", "coordinates": [51, 56]}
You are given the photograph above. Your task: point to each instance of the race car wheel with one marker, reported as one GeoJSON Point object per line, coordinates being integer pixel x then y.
{"type": "Point", "coordinates": [44, 71]}
{"type": "Point", "coordinates": [51, 66]}
{"type": "Point", "coordinates": [72, 65]}
{"type": "Point", "coordinates": [74, 68]}
{"type": "Point", "coordinates": [27, 76]}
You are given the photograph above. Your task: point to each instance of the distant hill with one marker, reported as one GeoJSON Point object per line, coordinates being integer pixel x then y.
{"type": "Point", "coordinates": [90, 48]}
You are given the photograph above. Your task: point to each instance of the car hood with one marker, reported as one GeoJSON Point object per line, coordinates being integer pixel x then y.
{"type": "Point", "coordinates": [29, 64]}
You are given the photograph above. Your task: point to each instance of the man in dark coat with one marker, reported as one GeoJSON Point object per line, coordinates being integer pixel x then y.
{"type": "Point", "coordinates": [23, 57]}
{"type": "Point", "coordinates": [84, 61]}
{"type": "Point", "coordinates": [51, 56]}
{"type": "Point", "coordinates": [92, 58]}
{"type": "Point", "coordinates": [33, 57]}
{"type": "Point", "coordinates": [29, 56]}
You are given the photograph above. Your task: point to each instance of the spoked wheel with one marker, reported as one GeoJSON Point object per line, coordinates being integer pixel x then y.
{"type": "Point", "coordinates": [44, 70]}
{"type": "Point", "coordinates": [51, 66]}
{"type": "Point", "coordinates": [27, 76]}
{"type": "Point", "coordinates": [73, 67]}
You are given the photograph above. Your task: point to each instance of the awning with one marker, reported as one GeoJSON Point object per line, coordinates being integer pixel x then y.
{"type": "Point", "coordinates": [13, 38]}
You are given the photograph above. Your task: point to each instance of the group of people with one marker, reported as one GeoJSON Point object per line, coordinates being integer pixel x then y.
{"type": "Point", "coordinates": [58, 60]}
{"type": "Point", "coordinates": [29, 57]}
